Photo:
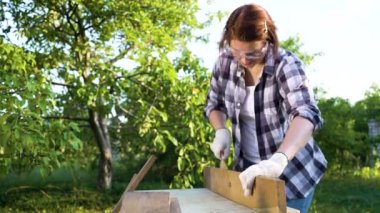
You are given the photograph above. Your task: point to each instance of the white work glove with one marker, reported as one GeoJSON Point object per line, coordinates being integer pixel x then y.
{"type": "Point", "coordinates": [221, 144]}
{"type": "Point", "coordinates": [273, 167]}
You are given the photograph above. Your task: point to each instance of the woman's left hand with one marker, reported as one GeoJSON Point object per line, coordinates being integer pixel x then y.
{"type": "Point", "coordinates": [273, 167]}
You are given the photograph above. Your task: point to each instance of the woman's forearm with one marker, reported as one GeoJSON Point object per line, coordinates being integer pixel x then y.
{"type": "Point", "coordinates": [217, 119]}
{"type": "Point", "coordinates": [297, 136]}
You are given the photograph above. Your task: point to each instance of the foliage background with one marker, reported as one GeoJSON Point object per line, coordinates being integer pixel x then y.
{"type": "Point", "coordinates": [128, 64]}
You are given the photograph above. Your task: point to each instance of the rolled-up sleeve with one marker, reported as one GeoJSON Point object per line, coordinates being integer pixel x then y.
{"type": "Point", "coordinates": [297, 94]}
{"type": "Point", "coordinates": [214, 100]}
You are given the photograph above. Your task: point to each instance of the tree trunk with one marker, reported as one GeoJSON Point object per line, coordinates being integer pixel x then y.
{"type": "Point", "coordinates": [99, 126]}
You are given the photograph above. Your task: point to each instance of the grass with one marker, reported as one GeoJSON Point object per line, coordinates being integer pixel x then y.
{"type": "Point", "coordinates": [75, 191]}
{"type": "Point", "coordinates": [347, 194]}
{"type": "Point", "coordinates": [66, 190]}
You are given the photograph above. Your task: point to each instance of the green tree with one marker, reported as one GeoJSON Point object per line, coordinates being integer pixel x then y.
{"type": "Point", "coordinates": [118, 74]}
{"type": "Point", "coordinates": [175, 125]}
{"type": "Point", "coordinates": [338, 139]}
{"type": "Point", "coordinates": [24, 95]}
{"type": "Point", "coordinates": [364, 111]}
{"type": "Point", "coordinates": [294, 44]}
{"type": "Point", "coordinates": [368, 108]}
{"type": "Point", "coordinates": [344, 136]}
{"type": "Point", "coordinates": [94, 54]}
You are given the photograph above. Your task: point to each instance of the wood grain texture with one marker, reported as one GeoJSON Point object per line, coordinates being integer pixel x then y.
{"type": "Point", "coordinates": [146, 202]}
{"type": "Point", "coordinates": [135, 181]}
{"type": "Point", "coordinates": [268, 193]}
{"type": "Point", "coordinates": [138, 178]}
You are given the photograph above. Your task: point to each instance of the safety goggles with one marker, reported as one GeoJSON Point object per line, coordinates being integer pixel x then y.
{"type": "Point", "coordinates": [252, 55]}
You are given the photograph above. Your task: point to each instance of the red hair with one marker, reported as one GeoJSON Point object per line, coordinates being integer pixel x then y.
{"type": "Point", "coordinates": [248, 23]}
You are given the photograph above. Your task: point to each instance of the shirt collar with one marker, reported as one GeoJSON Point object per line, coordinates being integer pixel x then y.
{"type": "Point", "coordinates": [269, 61]}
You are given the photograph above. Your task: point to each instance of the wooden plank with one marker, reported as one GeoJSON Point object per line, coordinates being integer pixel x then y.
{"type": "Point", "coordinates": [142, 173]}
{"type": "Point", "coordinates": [268, 193]}
{"type": "Point", "coordinates": [128, 189]}
{"type": "Point", "coordinates": [135, 181]}
{"type": "Point", "coordinates": [144, 202]}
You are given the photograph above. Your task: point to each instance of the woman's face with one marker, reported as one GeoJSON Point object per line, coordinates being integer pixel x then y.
{"type": "Point", "coordinates": [248, 53]}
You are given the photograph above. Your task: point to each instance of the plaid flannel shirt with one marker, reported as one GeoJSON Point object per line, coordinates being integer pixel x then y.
{"type": "Point", "coordinates": [281, 95]}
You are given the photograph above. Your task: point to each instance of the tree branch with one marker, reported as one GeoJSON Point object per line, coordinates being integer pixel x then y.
{"type": "Point", "coordinates": [125, 110]}
{"type": "Point", "coordinates": [132, 75]}
{"type": "Point", "coordinates": [66, 118]}
{"type": "Point", "coordinates": [8, 92]}
{"type": "Point", "coordinates": [97, 25]}
{"type": "Point", "coordinates": [141, 84]}
{"type": "Point", "coordinates": [69, 18]}
{"type": "Point", "coordinates": [121, 55]}
{"type": "Point", "coordinates": [62, 84]}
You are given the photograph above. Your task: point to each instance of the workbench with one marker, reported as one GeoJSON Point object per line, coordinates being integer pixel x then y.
{"type": "Point", "coordinates": [202, 200]}
{"type": "Point", "coordinates": [222, 193]}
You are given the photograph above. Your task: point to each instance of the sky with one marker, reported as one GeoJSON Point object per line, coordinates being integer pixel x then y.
{"type": "Point", "coordinates": [346, 32]}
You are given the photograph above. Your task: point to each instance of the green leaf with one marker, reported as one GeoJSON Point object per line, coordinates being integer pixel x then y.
{"type": "Point", "coordinates": [171, 138]}
{"type": "Point", "coordinates": [76, 144]}
{"type": "Point", "coordinates": [74, 126]}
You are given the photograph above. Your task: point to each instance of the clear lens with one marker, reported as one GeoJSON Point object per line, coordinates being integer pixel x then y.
{"type": "Point", "coordinates": [250, 55]}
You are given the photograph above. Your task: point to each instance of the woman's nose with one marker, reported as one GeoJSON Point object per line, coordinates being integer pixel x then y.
{"type": "Point", "coordinates": [243, 61]}
{"type": "Point", "coordinates": [246, 63]}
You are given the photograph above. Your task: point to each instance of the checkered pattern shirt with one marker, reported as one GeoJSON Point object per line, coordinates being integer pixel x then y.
{"type": "Point", "coordinates": [281, 95]}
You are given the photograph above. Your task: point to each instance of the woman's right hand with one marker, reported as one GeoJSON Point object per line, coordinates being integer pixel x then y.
{"type": "Point", "coordinates": [221, 144]}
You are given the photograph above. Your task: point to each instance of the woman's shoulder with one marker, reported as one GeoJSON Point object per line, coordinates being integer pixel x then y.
{"type": "Point", "coordinates": [225, 63]}
{"type": "Point", "coordinates": [287, 56]}
{"type": "Point", "coordinates": [225, 58]}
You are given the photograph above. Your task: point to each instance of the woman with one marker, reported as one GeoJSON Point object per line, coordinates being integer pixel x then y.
{"type": "Point", "coordinates": [262, 89]}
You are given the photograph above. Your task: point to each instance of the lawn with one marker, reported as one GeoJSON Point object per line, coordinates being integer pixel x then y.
{"type": "Point", "coordinates": [61, 192]}
{"type": "Point", "coordinates": [347, 194]}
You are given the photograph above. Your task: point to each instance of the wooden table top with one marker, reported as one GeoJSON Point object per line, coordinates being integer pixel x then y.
{"type": "Point", "coordinates": [203, 200]}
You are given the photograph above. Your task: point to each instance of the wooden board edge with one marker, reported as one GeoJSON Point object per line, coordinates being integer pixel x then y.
{"type": "Point", "coordinates": [267, 192]}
